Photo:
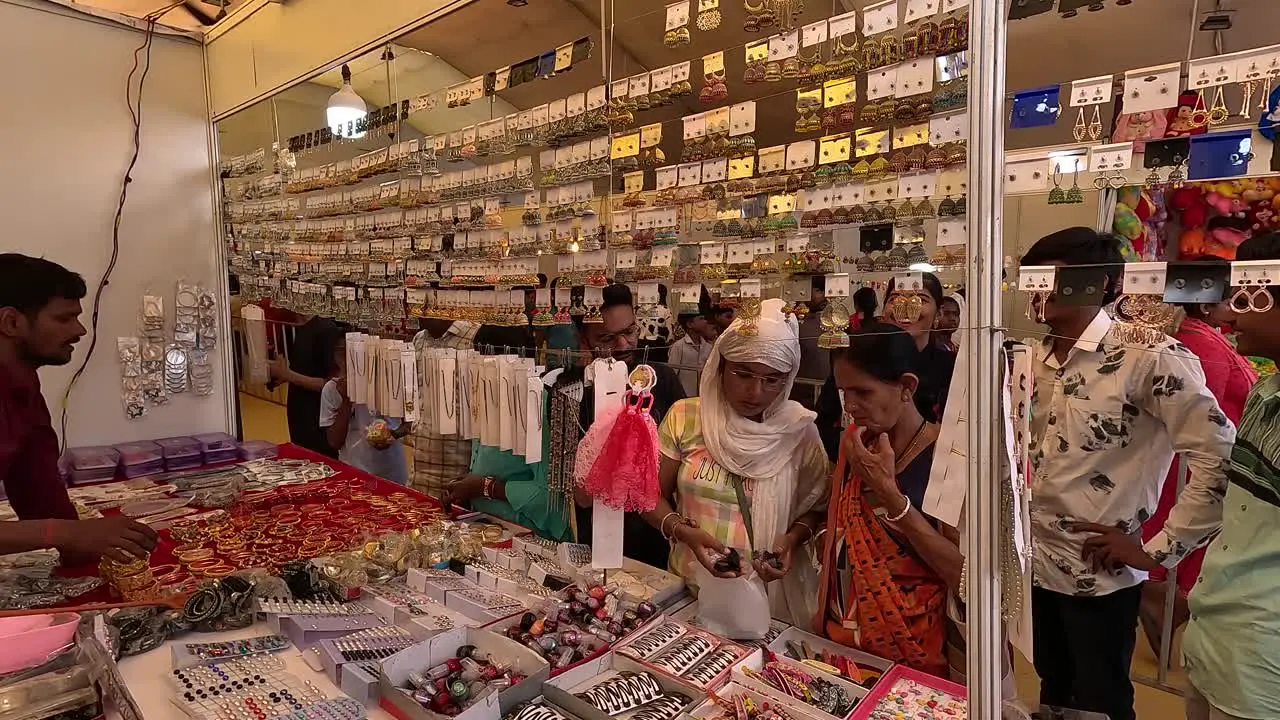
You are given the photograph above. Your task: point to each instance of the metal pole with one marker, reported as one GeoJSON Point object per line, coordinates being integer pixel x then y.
{"type": "Point", "coordinates": [987, 21]}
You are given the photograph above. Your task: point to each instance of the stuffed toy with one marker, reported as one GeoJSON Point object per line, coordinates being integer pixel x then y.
{"type": "Point", "coordinates": [1184, 121]}
{"type": "Point", "coordinates": [1136, 217]}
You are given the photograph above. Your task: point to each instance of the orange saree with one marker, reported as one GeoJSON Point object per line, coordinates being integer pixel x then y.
{"type": "Point", "coordinates": [881, 598]}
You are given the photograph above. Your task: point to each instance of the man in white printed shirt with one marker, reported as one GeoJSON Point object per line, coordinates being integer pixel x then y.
{"type": "Point", "coordinates": [1107, 418]}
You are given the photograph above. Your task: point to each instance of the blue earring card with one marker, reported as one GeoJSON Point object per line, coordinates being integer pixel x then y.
{"type": "Point", "coordinates": [1037, 107]}
{"type": "Point", "coordinates": [1220, 154]}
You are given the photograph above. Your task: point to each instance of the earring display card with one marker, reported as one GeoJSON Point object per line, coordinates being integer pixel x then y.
{"type": "Point", "coordinates": [1193, 282]}
{"type": "Point", "coordinates": [1027, 175]}
{"type": "Point", "coordinates": [1091, 91]}
{"type": "Point", "coordinates": [1038, 107]}
{"type": "Point", "coordinates": [1153, 88]}
{"type": "Point", "coordinates": [952, 231]}
{"type": "Point", "coordinates": [880, 17]}
{"type": "Point", "coordinates": [949, 128]}
{"type": "Point", "coordinates": [1116, 156]}
{"type": "Point", "coordinates": [1220, 154]}
{"type": "Point", "coordinates": [1212, 72]}
{"type": "Point", "coordinates": [1144, 278]}
{"type": "Point", "coordinates": [1080, 285]}
{"type": "Point", "coordinates": [920, 9]}
{"type": "Point", "coordinates": [882, 82]}
{"type": "Point", "coordinates": [1169, 152]}
{"type": "Point", "coordinates": [914, 77]}
{"type": "Point", "coordinates": [875, 238]}
{"type": "Point", "coordinates": [1022, 9]}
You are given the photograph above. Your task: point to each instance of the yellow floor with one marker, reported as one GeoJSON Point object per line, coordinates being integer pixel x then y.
{"type": "Point", "coordinates": [265, 420]}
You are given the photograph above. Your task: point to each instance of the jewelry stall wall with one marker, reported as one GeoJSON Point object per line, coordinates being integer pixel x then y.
{"type": "Point", "coordinates": [66, 143]}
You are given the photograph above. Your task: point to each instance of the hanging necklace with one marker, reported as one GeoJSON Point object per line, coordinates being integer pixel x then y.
{"type": "Point", "coordinates": [449, 405]}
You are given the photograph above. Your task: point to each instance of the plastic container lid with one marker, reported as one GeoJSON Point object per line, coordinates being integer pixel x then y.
{"type": "Point", "coordinates": [216, 442]}
{"type": "Point", "coordinates": [255, 449]}
{"type": "Point", "coordinates": [179, 447]}
{"type": "Point", "coordinates": [100, 457]}
{"type": "Point", "coordinates": [137, 453]}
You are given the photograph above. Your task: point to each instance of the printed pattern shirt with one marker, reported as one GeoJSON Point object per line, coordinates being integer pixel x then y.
{"type": "Point", "coordinates": [1105, 426]}
{"type": "Point", "coordinates": [438, 459]}
{"type": "Point", "coordinates": [1231, 647]}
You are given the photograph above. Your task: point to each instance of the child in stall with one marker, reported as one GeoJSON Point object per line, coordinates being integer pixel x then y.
{"type": "Point", "coordinates": [363, 439]}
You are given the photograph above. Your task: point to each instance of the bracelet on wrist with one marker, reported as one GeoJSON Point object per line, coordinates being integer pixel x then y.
{"type": "Point", "coordinates": [906, 508]}
{"type": "Point", "coordinates": [487, 487]}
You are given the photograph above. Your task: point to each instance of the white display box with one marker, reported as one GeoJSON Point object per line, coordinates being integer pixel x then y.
{"type": "Point", "coordinates": [755, 661]}
{"type": "Point", "coordinates": [799, 639]}
{"type": "Point", "coordinates": [491, 706]}
{"type": "Point", "coordinates": [562, 689]}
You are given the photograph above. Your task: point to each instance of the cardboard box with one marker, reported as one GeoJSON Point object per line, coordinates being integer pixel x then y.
{"type": "Point", "coordinates": [562, 689]}
{"type": "Point", "coordinates": [709, 708]}
{"type": "Point", "coordinates": [626, 647]}
{"type": "Point", "coordinates": [755, 661]}
{"type": "Point", "coordinates": [491, 706]}
{"type": "Point", "coordinates": [898, 674]}
{"type": "Point", "coordinates": [360, 685]}
{"type": "Point", "coordinates": [666, 586]}
{"type": "Point", "coordinates": [800, 638]}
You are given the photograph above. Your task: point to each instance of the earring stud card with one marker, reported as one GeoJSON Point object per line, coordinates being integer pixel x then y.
{"type": "Point", "coordinates": [1080, 285]}
{"type": "Point", "coordinates": [1166, 153]}
{"type": "Point", "coordinates": [1152, 88]}
{"type": "Point", "coordinates": [1038, 107]}
{"type": "Point", "coordinates": [1195, 282]}
{"type": "Point", "coordinates": [1220, 154]}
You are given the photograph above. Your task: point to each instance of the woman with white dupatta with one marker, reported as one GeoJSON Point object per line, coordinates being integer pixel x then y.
{"type": "Point", "coordinates": [743, 449]}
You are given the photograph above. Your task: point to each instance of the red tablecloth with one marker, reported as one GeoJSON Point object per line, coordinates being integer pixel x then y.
{"type": "Point", "coordinates": [357, 481]}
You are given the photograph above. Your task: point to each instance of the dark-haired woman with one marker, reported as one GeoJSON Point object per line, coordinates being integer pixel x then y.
{"type": "Point", "coordinates": [936, 363]}
{"type": "Point", "coordinates": [887, 568]}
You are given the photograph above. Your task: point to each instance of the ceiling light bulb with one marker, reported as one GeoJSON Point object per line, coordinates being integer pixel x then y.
{"type": "Point", "coordinates": [517, 3]}
{"type": "Point", "coordinates": [345, 109]}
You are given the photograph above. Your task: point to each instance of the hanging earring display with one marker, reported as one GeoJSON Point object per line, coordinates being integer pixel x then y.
{"type": "Point", "coordinates": [1057, 196]}
{"type": "Point", "coordinates": [1095, 125]}
{"type": "Point", "coordinates": [1079, 130]}
{"type": "Point", "coordinates": [1075, 195]}
{"type": "Point", "coordinates": [1142, 319]}
{"type": "Point", "coordinates": [708, 15]}
{"type": "Point", "coordinates": [1218, 112]}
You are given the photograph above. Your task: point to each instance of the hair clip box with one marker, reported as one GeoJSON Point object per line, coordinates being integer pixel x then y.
{"type": "Point", "coordinates": [564, 688]}
{"type": "Point", "coordinates": [867, 706]}
{"type": "Point", "coordinates": [710, 709]}
{"type": "Point", "coordinates": [394, 676]}
{"type": "Point", "coordinates": [755, 661]}
{"type": "Point", "coordinates": [798, 637]}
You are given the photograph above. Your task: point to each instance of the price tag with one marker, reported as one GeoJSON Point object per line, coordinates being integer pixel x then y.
{"type": "Point", "coordinates": [667, 177]}
{"type": "Point", "coordinates": [677, 15]}
{"type": "Point", "coordinates": [711, 253]}
{"type": "Point", "coordinates": [839, 92]}
{"type": "Point", "coordinates": [834, 149]}
{"type": "Point", "coordinates": [784, 46]}
{"type": "Point", "coordinates": [660, 79]}
{"type": "Point", "coordinates": [690, 174]}
{"type": "Point", "coordinates": [713, 63]}
{"type": "Point", "coordinates": [625, 146]}
{"type": "Point", "coordinates": [633, 182]}
{"type": "Point", "coordinates": [695, 126]}
{"type": "Point", "coordinates": [715, 170]}
{"type": "Point", "coordinates": [638, 85]}
{"type": "Point", "coordinates": [742, 118]}
{"type": "Point", "coordinates": [757, 51]}
{"type": "Point", "coordinates": [813, 34]}
{"type": "Point", "coordinates": [680, 71]}
{"type": "Point", "coordinates": [740, 168]}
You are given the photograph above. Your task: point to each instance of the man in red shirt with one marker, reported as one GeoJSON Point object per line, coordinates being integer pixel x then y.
{"type": "Point", "coordinates": [40, 325]}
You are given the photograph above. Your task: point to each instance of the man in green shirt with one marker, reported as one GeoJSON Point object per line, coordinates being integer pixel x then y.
{"type": "Point", "coordinates": [1232, 645]}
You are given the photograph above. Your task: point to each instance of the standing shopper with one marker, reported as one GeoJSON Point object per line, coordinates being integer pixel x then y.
{"type": "Point", "coordinates": [440, 459]}
{"type": "Point", "coordinates": [1107, 418]}
{"type": "Point", "coordinates": [1231, 647]}
{"type": "Point", "coordinates": [306, 373]}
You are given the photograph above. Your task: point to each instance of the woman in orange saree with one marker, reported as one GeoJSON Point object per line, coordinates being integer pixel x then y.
{"type": "Point", "coordinates": [887, 567]}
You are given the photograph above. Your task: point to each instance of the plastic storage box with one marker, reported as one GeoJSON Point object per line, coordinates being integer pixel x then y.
{"type": "Point", "coordinates": [218, 447]}
{"type": "Point", "coordinates": [92, 464]}
{"type": "Point", "coordinates": [257, 450]}
{"type": "Point", "coordinates": [140, 458]}
{"type": "Point", "coordinates": [181, 453]}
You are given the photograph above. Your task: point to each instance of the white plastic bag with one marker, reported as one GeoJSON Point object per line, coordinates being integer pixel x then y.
{"type": "Point", "coordinates": [736, 608]}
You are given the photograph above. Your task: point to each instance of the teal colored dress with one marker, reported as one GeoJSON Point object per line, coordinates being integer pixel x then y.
{"type": "Point", "coordinates": [529, 501]}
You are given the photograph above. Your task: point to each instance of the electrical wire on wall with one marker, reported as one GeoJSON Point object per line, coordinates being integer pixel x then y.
{"type": "Point", "coordinates": [133, 99]}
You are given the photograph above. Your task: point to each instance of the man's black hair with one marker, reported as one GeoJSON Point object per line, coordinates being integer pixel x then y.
{"type": "Point", "coordinates": [818, 282]}
{"type": "Point", "coordinates": [29, 283]}
{"type": "Point", "coordinates": [1081, 246]}
{"type": "Point", "coordinates": [499, 339]}
{"type": "Point", "coordinates": [612, 296]}
{"type": "Point", "coordinates": [685, 318]}
{"type": "Point", "coordinates": [865, 303]}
